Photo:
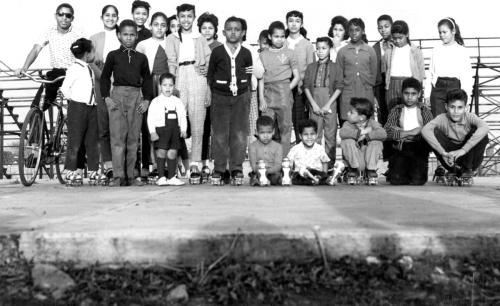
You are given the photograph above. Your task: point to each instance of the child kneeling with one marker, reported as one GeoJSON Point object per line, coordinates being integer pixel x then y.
{"type": "Point", "coordinates": [167, 124]}
{"type": "Point", "coordinates": [309, 159]}
{"type": "Point", "coordinates": [361, 139]}
{"type": "Point", "coordinates": [267, 150]}
{"type": "Point", "coordinates": [457, 137]}
{"type": "Point", "coordinates": [409, 161]}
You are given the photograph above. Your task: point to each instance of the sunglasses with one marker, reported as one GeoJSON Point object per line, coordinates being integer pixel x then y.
{"type": "Point", "coordinates": [67, 15]}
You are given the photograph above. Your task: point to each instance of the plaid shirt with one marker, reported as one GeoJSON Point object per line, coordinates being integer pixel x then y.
{"type": "Point", "coordinates": [393, 124]}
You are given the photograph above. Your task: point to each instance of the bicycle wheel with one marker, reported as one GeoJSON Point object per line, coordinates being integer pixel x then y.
{"type": "Point", "coordinates": [30, 146]}
{"type": "Point", "coordinates": [60, 147]}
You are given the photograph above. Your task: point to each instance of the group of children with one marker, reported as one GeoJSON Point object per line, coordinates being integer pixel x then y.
{"type": "Point", "coordinates": [171, 82]}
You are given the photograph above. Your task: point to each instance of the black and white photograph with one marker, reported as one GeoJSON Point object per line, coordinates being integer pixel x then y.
{"type": "Point", "coordinates": [249, 153]}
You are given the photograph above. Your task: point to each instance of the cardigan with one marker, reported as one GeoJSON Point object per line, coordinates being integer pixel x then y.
{"type": "Point", "coordinates": [417, 65]}
{"type": "Point", "coordinates": [352, 131]}
{"type": "Point", "coordinates": [393, 124]}
{"type": "Point", "coordinates": [201, 52]}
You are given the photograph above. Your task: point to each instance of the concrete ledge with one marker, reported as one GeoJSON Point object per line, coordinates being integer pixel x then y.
{"type": "Point", "coordinates": [189, 250]}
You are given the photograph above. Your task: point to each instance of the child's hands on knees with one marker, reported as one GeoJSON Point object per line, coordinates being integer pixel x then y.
{"type": "Point", "coordinates": [154, 136]}
{"type": "Point", "coordinates": [453, 155]}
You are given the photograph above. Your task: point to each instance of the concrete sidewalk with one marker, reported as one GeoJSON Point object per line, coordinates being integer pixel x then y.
{"type": "Point", "coordinates": [185, 225]}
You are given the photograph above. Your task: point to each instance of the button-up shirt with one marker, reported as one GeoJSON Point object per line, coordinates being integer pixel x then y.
{"type": "Point", "coordinates": [129, 68]}
{"type": "Point", "coordinates": [78, 84]}
{"type": "Point", "coordinates": [59, 45]}
{"type": "Point", "coordinates": [357, 64]}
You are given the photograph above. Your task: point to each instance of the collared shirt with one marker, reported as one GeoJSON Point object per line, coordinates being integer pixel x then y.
{"type": "Point", "coordinates": [59, 46]}
{"type": "Point", "coordinates": [357, 64]}
{"type": "Point", "coordinates": [335, 50]}
{"type": "Point", "coordinates": [129, 68]}
{"type": "Point", "coordinates": [78, 84]}
{"type": "Point", "coordinates": [304, 158]}
{"type": "Point", "coordinates": [322, 78]}
{"type": "Point", "coordinates": [456, 131]}
{"type": "Point", "coordinates": [186, 47]}
{"type": "Point", "coordinates": [293, 42]}
{"type": "Point", "coordinates": [271, 153]}
{"type": "Point", "coordinates": [162, 105]}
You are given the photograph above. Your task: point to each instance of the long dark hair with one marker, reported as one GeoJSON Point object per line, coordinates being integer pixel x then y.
{"type": "Point", "coordinates": [452, 25]}
{"type": "Point", "coordinates": [298, 14]}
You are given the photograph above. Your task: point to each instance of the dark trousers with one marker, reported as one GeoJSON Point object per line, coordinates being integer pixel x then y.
{"type": "Point", "coordinates": [299, 111]}
{"type": "Point", "coordinates": [438, 94]}
{"type": "Point", "coordinates": [50, 89]}
{"type": "Point", "coordinates": [409, 166]}
{"type": "Point", "coordinates": [145, 150]}
{"type": "Point", "coordinates": [82, 135]}
{"type": "Point", "coordinates": [205, 145]}
{"type": "Point", "coordinates": [380, 94]}
{"type": "Point", "coordinates": [103, 130]}
{"type": "Point", "coordinates": [230, 130]}
{"type": "Point", "coordinates": [298, 179]}
{"type": "Point", "coordinates": [470, 161]}
{"type": "Point", "coordinates": [274, 178]}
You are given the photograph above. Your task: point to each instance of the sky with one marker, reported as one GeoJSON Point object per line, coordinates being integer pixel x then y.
{"type": "Point", "coordinates": [24, 21]}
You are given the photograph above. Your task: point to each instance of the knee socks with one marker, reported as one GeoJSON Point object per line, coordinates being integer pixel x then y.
{"type": "Point", "coordinates": [160, 165]}
{"type": "Point", "coordinates": [171, 167]}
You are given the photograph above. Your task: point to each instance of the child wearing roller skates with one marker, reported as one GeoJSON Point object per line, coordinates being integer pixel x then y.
{"type": "Point", "coordinates": [266, 153]}
{"type": "Point", "coordinates": [409, 162]}
{"type": "Point", "coordinates": [361, 141]}
{"type": "Point", "coordinates": [167, 124]}
{"type": "Point", "coordinates": [309, 159]}
{"type": "Point", "coordinates": [78, 89]}
{"type": "Point", "coordinates": [229, 77]}
{"type": "Point", "coordinates": [458, 138]}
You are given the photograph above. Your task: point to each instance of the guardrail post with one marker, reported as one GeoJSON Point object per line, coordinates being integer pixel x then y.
{"type": "Point", "coordinates": [2, 102]}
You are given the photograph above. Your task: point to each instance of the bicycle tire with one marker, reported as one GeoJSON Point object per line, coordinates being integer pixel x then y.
{"type": "Point", "coordinates": [30, 146]}
{"type": "Point", "coordinates": [61, 146]}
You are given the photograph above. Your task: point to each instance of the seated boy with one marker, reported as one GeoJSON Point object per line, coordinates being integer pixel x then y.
{"type": "Point", "coordinates": [457, 137]}
{"type": "Point", "coordinates": [309, 159]}
{"type": "Point", "coordinates": [361, 139]}
{"type": "Point", "coordinates": [266, 149]}
{"type": "Point", "coordinates": [408, 164]}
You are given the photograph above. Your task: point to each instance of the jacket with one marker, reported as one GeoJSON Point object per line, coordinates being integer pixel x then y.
{"type": "Point", "coordinates": [393, 124]}
{"type": "Point", "coordinates": [351, 131]}
{"type": "Point", "coordinates": [201, 53]}
{"type": "Point", "coordinates": [334, 76]}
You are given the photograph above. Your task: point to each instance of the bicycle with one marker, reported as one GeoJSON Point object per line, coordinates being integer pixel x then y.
{"type": "Point", "coordinates": [42, 145]}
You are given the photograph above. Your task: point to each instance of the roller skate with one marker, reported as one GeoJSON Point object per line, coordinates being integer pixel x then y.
{"type": "Point", "coordinates": [195, 175]}
{"type": "Point", "coordinates": [94, 178]}
{"type": "Point", "coordinates": [353, 176]}
{"type": "Point", "coordinates": [371, 177]}
{"type": "Point", "coordinates": [287, 172]}
{"type": "Point", "coordinates": [73, 179]}
{"type": "Point", "coordinates": [336, 173]}
{"type": "Point", "coordinates": [466, 179]}
{"type": "Point", "coordinates": [106, 177]}
{"type": "Point", "coordinates": [205, 175]}
{"type": "Point", "coordinates": [439, 175]}
{"type": "Point", "coordinates": [216, 179]}
{"type": "Point", "coordinates": [152, 177]}
{"type": "Point", "coordinates": [451, 178]}
{"type": "Point", "coordinates": [237, 178]}
{"type": "Point", "coordinates": [260, 176]}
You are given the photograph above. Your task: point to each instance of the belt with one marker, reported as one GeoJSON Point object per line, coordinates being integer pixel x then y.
{"type": "Point", "coordinates": [186, 63]}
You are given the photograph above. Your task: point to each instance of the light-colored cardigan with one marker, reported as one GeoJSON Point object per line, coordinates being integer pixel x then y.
{"type": "Point", "coordinates": [201, 53]}
{"type": "Point", "coordinates": [416, 64]}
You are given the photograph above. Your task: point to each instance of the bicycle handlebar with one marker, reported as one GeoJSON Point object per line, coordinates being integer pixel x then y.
{"type": "Point", "coordinates": [29, 76]}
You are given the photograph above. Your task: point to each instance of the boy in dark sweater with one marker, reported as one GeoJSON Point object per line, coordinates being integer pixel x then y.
{"type": "Point", "coordinates": [229, 77]}
{"type": "Point", "coordinates": [130, 72]}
